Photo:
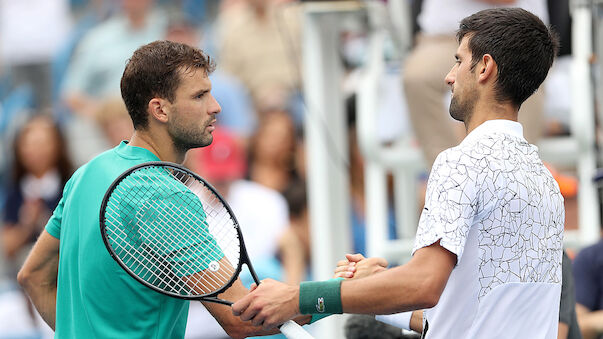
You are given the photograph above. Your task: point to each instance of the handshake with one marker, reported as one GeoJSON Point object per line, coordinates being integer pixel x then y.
{"type": "Point", "coordinates": [272, 303]}
{"type": "Point", "coordinates": [357, 266]}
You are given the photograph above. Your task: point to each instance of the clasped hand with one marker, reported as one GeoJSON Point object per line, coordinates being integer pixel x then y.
{"type": "Point", "coordinates": [272, 303]}
{"type": "Point", "coordinates": [357, 266]}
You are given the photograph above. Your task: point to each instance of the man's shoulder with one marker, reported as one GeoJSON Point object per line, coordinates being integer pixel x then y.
{"type": "Point", "coordinates": [108, 164]}
{"type": "Point", "coordinates": [487, 150]}
{"type": "Point", "coordinates": [461, 156]}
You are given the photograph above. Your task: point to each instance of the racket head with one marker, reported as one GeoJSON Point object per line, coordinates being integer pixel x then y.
{"type": "Point", "coordinates": [164, 224]}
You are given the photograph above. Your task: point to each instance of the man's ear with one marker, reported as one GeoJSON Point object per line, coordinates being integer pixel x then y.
{"type": "Point", "coordinates": [487, 68]}
{"type": "Point", "coordinates": [158, 109]}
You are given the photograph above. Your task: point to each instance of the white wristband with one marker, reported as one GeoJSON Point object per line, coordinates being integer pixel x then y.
{"type": "Point", "coordinates": [401, 320]}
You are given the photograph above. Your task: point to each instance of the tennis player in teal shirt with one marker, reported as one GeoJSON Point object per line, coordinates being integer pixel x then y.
{"type": "Point", "coordinates": [79, 290]}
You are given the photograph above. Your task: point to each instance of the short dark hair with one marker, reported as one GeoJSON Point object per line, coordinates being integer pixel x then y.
{"type": "Point", "coordinates": [154, 71]}
{"type": "Point", "coordinates": [522, 46]}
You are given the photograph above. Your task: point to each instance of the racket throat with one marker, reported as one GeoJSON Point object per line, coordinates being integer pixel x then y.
{"type": "Point", "coordinates": [217, 300]}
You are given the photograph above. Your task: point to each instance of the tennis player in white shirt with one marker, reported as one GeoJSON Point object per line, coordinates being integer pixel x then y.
{"type": "Point", "coordinates": [487, 257]}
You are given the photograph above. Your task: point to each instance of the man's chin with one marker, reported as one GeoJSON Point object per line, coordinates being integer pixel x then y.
{"type": "Point", "coordinates": [456, 116]}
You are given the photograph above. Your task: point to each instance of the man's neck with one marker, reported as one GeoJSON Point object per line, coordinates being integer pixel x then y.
{"type": "Point", "coordinates": [488, 110]}
{"type": "Point", "coordinates": [159, 145]}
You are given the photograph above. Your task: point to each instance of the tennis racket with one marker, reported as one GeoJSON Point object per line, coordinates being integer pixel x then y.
{"type": "Point", "coordinates": [173, 232]}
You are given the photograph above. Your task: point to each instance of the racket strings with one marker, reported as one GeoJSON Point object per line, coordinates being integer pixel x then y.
{"type": "Point", "coordinates": [164, 267]}
{"type": "Point", "coordinates": [209, 281]}
{"type": "Point", "coordinates": [172, 231]}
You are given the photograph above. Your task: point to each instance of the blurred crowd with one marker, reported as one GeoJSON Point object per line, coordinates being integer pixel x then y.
{"type": "Point", "coordinates": [60, 67]}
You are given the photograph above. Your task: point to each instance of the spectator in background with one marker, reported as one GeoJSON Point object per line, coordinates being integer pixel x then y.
{"type": "Point", "coordinates": [430, 61]}
{"type": "Point", "coordinates": [272, 151]}
{"type": "Point", "coordinates": [259, 43]}
{"type": "Point", "coordinates": [294, 244]}
{"type": "Point", "coordinates": [100, 58]}
{"type": "Point", "coordinates": [31, 33]}
{"type": "Point", "coordinates": [260, 211]}
{"type": "Point", "coordinates": [588, 277]}
{"type": "Point", "coordinates": [41, 169]}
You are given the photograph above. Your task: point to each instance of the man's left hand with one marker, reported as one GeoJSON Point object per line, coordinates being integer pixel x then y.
{"type": "Point", "coordinates": [269, 305]}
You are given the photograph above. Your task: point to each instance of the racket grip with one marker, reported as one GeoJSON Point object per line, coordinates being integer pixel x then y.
{"type": "Point", "coordinates": [293, 330]}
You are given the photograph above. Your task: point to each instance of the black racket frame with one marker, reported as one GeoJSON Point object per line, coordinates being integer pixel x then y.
{"type": "Point", "coordinates": [210, 297]}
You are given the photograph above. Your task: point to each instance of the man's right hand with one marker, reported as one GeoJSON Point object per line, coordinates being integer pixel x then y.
{"type": "Point", "coordinates": [357, 266]}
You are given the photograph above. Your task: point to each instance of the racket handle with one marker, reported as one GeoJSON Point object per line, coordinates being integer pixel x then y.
{"type": "Point", "coordinates": [293, 330]}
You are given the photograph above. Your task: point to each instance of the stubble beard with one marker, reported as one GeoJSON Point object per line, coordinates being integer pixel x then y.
{"type": "Point", "coordinates": [462, 110]}
{"type": "Point", "coordinates": [185, 137]}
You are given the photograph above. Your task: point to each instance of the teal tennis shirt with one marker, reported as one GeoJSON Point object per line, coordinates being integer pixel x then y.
{"type": "Point", "coordinates": [96, 298]}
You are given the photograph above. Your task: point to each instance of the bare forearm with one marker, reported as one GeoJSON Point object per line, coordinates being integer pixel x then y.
{"type": "Point", "coordinates": [38, 276]}
{"type": "Point", "coordinates": [386, 293]}
{"type": "Point", "coordinates": [234, 326]}
{"type": "Point", "coordinates": [413, 286]}
{"type": "Point", "coordinates": [416, 321]}
{"type": "Point", "coordinates": [44, 299]}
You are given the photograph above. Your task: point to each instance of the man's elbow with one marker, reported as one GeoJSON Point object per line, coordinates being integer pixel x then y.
{"type": "Point", "coordinates": [430, 299]}
{"type": "Point", "coordinates": [430, 293]}
{"type": "Point", "coordinates": [24, 278]}
{"type": "Point", "coordinates": [28, 279]}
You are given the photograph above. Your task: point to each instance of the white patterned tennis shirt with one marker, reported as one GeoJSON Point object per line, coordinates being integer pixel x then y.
{"type": "Point", "coordinates": [492, 202]}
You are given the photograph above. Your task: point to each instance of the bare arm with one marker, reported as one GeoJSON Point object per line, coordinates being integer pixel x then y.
{"type": "Point", "coordinates": [591, 323]}
{"type": "Point", "coordinates": [416, 285]}
{"type": "Point", "coordinates": [38, 276]}
{"type": "Point", "coordinates": [356, 266]}
{"type": "Point", "coordinates": [233, 326]}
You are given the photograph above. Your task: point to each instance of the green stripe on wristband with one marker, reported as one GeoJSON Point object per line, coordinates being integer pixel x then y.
{"type": "Point", "coordinates": [320, 297]}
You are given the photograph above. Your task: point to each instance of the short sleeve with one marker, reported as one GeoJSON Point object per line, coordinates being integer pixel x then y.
{"type": "Point", "coordinates": [585, 279]}
{"type": "Point", "coordinates": [53, 226]}
{"type": "Point", "coordinates": [450, 203]}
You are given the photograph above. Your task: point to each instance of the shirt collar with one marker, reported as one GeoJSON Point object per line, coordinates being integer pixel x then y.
{"type": "Point", "coordinates": [134, 152]}
{"type": "Point", "coordinates": [495, 126]}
